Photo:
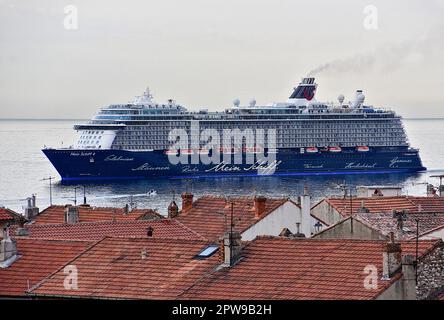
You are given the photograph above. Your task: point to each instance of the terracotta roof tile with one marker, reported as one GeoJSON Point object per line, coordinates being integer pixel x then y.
{"type": "Point", "coordinates": [385, 223]}
{"type": "Point", "coordinates": [210, 215]}
{"type": "Point", "coordinates": [162, 228]}
{"type": "Point", "coordinates": [387, 204]}
{"type": "Point", "coordinates": [277, 268]}
{"type": "Point", "coordinates": [115, 268]}
{"type": "Point", "coordinates": [55, 214]}
{"type": "Point", "coordinates": [8, 215]}
{"type": "Point", "coordinates": [37, 260]}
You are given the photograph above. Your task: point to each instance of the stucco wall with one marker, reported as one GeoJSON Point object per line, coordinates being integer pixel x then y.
{"type": "Point", "coordinates": [286, 216]}
{"type": "Point", "coordinates": [326, 213]}
{"type": "Point", "coordinates": [350, 229]}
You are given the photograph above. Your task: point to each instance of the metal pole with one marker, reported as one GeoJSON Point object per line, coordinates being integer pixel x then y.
{"type": "Point", "coordinates": [231, 234]}
{"type": "Point", "coordinates": [50, 188]}
{"type": "Point", "coordinates": [75, 196]}
{"type": "Point", "coordinates": [50, 191]}
{"type": "Point", "coordinates": [417, 249]}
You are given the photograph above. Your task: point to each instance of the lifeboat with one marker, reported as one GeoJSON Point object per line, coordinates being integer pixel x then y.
{"type": "Point", "coordinates": [253, 150]}
{"type": "Point", "coordinates": [171, 152]}
{"type": "Point", "coordinates": [186, 151]}
{"type": "Point", "coordinates": [228, 150]}
{"type": "Point", "coordinates": [311, 150]}
{"type": "Point", "coordinates": [363, 149]}
{"type": "Point", "coordinates": [334, 149]}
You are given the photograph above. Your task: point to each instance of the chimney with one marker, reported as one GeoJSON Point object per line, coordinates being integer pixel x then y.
{"type": "Point", "coordinates": [408, 277]}
{"type": "Point", "coordinates": [187, 201]}
{"type": "Point", "coordinates": [231, 248]}
{"type": "Point", "coordinates": [71, 214]}
{"type": "Point", "coordinates": [305, 201]}
{"type": "Point", "coordinates": [31, 210]}
{"type": "Point", "coordinates": [8, 249]}
{"type": "Point", "coordinates": [259, 206]}
{"type": "Point", "coordinates": [173, 210]}
{"type": "Point", "coordinates": [391, 257]}
{"type": "Point", "coordinates": [362, 208]}
{"type": "Point", "coordinates": [431, 191]}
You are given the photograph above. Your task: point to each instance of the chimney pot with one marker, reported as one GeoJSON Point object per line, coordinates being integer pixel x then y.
{"type": "Point", "coordinates": [391, 257]}
{"type": "Point", "coordinates": [231, 248]}
{"type": "Point", "coordinates": [71, 214]}
{"type": "Point", "coordinates": [173, 210]}
{"type": "Point", "coordinates": [8, 249]}
{"type": "Point", "coordinates": [187, 201]}
{"type": "Point", "coordinates": [259, 205]}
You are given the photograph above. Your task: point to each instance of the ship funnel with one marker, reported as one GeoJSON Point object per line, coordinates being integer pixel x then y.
{"type": "Point", "coordinates": [306, 89]}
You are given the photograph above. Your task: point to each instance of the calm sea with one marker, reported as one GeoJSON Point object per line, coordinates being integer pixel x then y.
{"type": "Point", "coordinates": [23, 166]}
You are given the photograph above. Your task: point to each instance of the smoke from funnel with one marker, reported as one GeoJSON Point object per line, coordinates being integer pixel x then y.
{"type": "Point", "coordinates": [385, 58]}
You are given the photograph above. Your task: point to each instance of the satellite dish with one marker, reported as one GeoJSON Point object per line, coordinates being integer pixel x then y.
{"type": "Point", "coordinates": [252, 102]}
{"type": "Point", "coordinates": [236, 102]}
{"type": "Point", "coordinates": [341, 98]}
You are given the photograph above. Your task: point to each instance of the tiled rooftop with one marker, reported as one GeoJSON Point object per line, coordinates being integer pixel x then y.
{"type": "Point", "coordinates": [162, 228]}
{"type": "Point", "coordinates": [8, 215]}
{"type": "Point", "coordinates": [37, 260]}
{"type": "Point", "coordinates": [134, 269]}
{"type": "Point", "coordinates": [55, 214]}
{"type": "Point", "coordinates": [387, 204]}
{"type": "Point", "coordinates": [277, 268]}
{"type": "Point", "coordinates": [210, 216]}
{"type": "Point", "coordinates": [385, 223]}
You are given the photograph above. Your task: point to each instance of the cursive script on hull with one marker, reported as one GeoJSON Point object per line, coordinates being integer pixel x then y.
{"type": "Point", "coordinates": [395, 162]}
{"type": "Point", "coordinates": [263, 167]}
{"type": "Point", "coordinates": [117, 158]}
{"type": "Point", "coordinates": [147, 167]}
{"type": "Point", "coordinates": [358, 165]}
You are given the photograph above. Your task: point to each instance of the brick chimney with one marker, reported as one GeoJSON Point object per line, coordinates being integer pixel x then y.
{"type": "Point", "coordinates": [391, 257]}
{"type": "Point", "coordinates": [230, 248]}
{"type": "Point", "coordinates": [71, 214]}
{"type": "Point", "coordinates": [259, 206]}
{"type": "Point", "coordinates": [187, 201]}
{"type": "Point", "coordinates": [173, 210]}
{"type": "Point", "coordinates": [8, 249]}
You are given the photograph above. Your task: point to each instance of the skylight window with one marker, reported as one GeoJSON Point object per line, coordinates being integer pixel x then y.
{"type": "Point", "coordinates": [208, 251]}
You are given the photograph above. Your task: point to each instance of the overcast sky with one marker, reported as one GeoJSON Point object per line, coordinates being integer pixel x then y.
{"type": "Point", "coordinates": [205, 53]}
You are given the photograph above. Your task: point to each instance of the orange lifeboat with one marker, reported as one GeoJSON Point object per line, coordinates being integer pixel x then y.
{"type": "Point", "coordinates": [171, 152]}
{"type": "Point", "coordinates": [363, 149]}
{"type": "Point", "coordinates": [334, 149]}
{"type": "Point", "coordinates": [311, 150]}
{"type": "Point", "coordinates": [186, 151]}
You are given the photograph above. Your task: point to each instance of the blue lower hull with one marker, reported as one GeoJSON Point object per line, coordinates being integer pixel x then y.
{"type": "Point", "coordinates": [120, 164]}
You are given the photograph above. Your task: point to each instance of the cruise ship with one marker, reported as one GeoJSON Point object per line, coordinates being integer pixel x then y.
{"type": "Point", "coordinates": [133, 140]}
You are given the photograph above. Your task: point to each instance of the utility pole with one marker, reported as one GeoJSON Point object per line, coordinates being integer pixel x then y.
{"type": "Point", "coordinates": [75, 195]}
{"type": "Point", "coordinates": [84, 195]}
{"type": "Point", "coordinates": [417, 249]}
{"type": "Point", "coordinates": [50, 188]}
